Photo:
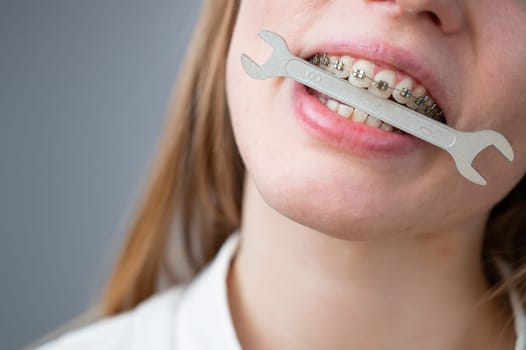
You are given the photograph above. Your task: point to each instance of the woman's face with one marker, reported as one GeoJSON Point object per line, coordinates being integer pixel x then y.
{"type": "Point", "coordinates": [361, 182]}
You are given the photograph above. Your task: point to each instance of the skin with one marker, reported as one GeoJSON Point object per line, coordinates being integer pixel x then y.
{"type": "Point", "coordinates": [351, 251]}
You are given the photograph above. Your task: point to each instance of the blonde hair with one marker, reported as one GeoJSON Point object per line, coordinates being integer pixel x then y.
{"type": "Point", "coordinates": [195, 187]}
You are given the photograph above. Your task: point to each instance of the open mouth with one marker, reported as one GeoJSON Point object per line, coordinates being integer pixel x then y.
{"type": "Point", "coordinates": [380, 81]}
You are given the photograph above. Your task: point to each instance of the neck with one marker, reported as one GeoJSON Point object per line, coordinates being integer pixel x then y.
{"type": "Point", "coordinates": [295, 288]}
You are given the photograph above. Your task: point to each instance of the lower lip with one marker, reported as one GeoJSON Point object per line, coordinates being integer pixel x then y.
{"type": "Point", "coordinates": [356, 138]}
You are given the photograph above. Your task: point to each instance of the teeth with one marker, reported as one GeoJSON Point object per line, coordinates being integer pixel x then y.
{"type": "Point", "coordinates": [384, 80]}
{"type": "Point", "coordinates": [343, 67]}
{"type": "Point", "coordinates": [387, 127]}
{"type": "Point", "coordinates": [361, 69]}
{"type": "Point", "coordinates": [331, 67]}
{"type": "Point", "coordinates": [345, 111]}
{"type": "Point", "coordinates": [372, 121]}
{"type": "Point", "coordinates": [382, 85]}
{"type": "Point", "coordinates": [428, 103]}
{"type": "Point", "coordinates": [324, 61]}
{"type": "Point", "coordinates": [433, 111]}
{"type": "Point", "coordinates": [359, 116]}
{"type": "Point", "coordinates": [406, 83]}
{"type": "Point", "coordinates": [355, 115]}
{"type": "Point", "coordinates": [315, 60]}
{"type": "Point", "coordinates": [419, 91]}
{"type": "Point", "coordinates": [332, 105]}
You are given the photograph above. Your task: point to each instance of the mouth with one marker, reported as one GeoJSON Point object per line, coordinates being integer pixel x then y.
{"type": "Point", "coordinates": [380, 80]}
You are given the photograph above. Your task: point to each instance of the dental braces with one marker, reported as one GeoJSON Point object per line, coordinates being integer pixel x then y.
{"type": "Point", "coordinates": [431, 111]}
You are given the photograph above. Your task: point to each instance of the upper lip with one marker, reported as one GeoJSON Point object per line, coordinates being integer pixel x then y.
{"type": "Point", "coordinates": [382, 53]}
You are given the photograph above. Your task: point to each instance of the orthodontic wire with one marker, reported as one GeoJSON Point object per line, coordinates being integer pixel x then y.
{"type": "Point", "coordinates": [369, 78]}
{"type": "Point", "coordinates": [324, 60]}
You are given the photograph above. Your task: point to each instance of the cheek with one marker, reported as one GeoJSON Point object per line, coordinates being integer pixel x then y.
{"type": "Point", "coordinates": [494, 99]}
{"type": "Point", "coordinates": [494, 95]}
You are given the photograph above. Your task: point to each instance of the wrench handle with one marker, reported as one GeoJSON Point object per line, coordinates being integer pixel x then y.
{"type": "Point", "coordinates": [392, 113]}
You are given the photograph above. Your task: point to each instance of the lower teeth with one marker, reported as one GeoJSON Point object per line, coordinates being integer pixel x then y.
{"type": "Point", "coordinates": [354, 114]}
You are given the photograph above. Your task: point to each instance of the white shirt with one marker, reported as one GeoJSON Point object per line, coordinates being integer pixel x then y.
{"type": "Point", "coordinates": [190, 317]}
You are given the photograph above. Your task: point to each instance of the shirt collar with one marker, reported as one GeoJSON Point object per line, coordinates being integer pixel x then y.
{"type": "Point", "coordinates": [204, 321]}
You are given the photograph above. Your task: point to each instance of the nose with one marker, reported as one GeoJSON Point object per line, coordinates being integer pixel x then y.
{"type": "Point", "coordinates": [449, 15]}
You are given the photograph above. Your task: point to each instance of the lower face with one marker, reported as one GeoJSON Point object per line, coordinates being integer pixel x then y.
{"type": "Point", "coordinates": [360, 180]}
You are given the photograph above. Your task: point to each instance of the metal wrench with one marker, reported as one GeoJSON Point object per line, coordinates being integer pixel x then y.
{"type": "Point", "coordinates": [462, 146]}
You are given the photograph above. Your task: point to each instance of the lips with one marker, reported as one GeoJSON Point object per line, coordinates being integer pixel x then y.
{"type": "Point", "coordinates": [361, 139]}
{"type": "Point", "coordinates": [356, 138]}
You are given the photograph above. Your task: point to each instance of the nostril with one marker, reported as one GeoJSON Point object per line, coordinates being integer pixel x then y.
{"type": "Point", "coordinates": [449, 16]}
{"type": "Point", "coordinates": [435, 18]}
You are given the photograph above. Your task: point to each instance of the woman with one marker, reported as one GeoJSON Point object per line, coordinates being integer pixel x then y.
{"type": "Point", "coordinates": [355, 239]}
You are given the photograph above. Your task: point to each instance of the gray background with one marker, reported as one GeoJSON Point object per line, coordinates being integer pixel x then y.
{"type": "Point", "coordinates": [83, 92]}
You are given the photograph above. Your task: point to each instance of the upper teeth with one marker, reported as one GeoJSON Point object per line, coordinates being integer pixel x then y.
{"type": "Point", "coordinates": [380, 82]}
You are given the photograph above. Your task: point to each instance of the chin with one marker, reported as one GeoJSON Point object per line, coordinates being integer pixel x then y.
{"type": "Point", "coordinates": [345, 207]}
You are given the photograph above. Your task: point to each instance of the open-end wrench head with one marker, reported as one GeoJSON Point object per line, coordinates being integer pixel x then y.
{"type": "Point", "coordinates": [470, 144]}
{"type": "Point", "coordinates": [470, 173]}
{"type": "Point", "coordinates": [253, 69]}
{"type": "Point", "coordinates": [503, 145]}
{"type": "Point", "coordinates": [274, 40]}
{"type": "Point", "coordinates": [276, 65]}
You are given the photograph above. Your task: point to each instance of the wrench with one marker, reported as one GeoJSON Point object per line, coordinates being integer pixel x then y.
{"type": "Point", "coordinates": [462, 146]}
